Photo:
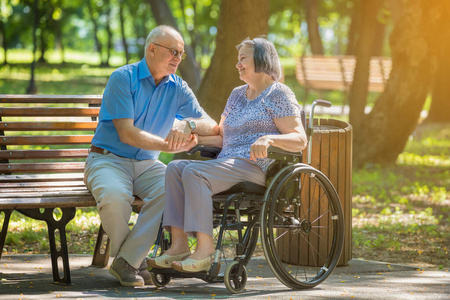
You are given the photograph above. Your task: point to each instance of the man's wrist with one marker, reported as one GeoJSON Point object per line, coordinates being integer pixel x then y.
{"type": "Point", "coordinates": [191, 124]}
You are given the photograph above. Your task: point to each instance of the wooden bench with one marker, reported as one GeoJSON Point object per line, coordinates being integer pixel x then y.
{"type": "Point", "coordinates": [319, 73]}
{"type": "Point", "coordinates": [44, 142]}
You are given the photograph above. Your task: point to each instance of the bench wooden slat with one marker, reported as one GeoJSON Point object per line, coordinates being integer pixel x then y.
{"type": "Point", "coordinates": [50, 202]}
{"type": "Point", "coordinates": [49, 194]}
{"type": "Point", "coordinates": [8, 98]}
{"type": "Point", "coordinates": [46, 140]}
{"type": "Point", "coordinates": [42, 167]}
{"type": "Point", "coordinates": [6, 186]}
{"type": "Point", "coordinates": [22, 190]}
{"type": "Point", "coordinates": [44, 154]}
{"type": "Point", "coordinates": [41, 177]}
{"type": "Point", "coordinates": [336, 72]}
{"type": "Point", "coordinates": [42, 126]}
{"type": "Point", "coordinates": [49, 112]}
{"type": "Point", "coordinates": [46, 202]}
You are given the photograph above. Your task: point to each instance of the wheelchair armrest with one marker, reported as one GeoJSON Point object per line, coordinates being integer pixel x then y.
{"type": "Point", "coordinates": [205, 151]}
{"type": "Point", "coordinates": [280, 154]}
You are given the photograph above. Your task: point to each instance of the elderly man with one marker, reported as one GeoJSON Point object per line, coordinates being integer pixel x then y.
{"type": "Point", "coordinates": [146, 109]}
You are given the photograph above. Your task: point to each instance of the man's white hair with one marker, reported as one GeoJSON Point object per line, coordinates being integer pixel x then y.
{"type": "Point", "coordinates": [160, 31]}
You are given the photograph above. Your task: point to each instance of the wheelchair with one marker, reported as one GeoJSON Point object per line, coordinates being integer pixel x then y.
{"type": "Point", "coordinates": [298, 218]}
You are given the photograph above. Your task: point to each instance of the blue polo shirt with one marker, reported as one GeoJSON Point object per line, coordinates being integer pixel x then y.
{"type": "Point", "coordinates": [131, 93]}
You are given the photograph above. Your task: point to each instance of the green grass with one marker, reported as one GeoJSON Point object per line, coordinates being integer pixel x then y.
{"type": "Point", "coordinates": [401, 213]}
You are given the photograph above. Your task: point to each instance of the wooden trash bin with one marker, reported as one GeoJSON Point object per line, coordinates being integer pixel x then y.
{"type": "Point", "coordinates": [332, 155]}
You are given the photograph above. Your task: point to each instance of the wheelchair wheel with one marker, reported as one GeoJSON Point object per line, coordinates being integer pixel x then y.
{"type": "Point", "coordinates": [235, 278]}
{"type": "Point", "coordinates": [160, 280]}
{"type": "Point", "coordinates": [302, 226]}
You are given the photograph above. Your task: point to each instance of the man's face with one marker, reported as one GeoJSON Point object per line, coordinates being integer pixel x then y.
{"type": "Point", "coordinates": [162, 54]}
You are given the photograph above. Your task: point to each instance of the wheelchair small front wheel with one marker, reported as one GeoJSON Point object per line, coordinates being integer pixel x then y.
{"type": "Point", "coordinates": [160, 280]}
{"type": "Point", "coordinates": [235, 277]}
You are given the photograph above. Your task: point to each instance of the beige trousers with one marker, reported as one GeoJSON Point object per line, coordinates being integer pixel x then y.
{"type": "Point", "coordinates": [113, 181]}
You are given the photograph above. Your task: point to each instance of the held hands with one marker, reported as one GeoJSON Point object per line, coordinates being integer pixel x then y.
{"type": "Point", "coordinates": [191, 143]}
{"type": "Point", "coordinates": [259, 148]}
{"type": "Point", "coordinates": [179, 136]}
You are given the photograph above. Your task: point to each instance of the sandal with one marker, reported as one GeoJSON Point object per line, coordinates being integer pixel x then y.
{"type": "Point", "coordinates": [165, 261]}
{"type": "Point", "coordinates": [190, 265]}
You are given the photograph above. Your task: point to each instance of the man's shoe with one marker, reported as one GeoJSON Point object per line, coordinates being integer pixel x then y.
{"type": "Point", "coordinates": [144, 273]}
{"type": "Point", "coordinates": [125, 273]}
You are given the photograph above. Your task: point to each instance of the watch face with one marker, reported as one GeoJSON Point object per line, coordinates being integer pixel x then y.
{"type": "Point", "coordinates": [192, 125]}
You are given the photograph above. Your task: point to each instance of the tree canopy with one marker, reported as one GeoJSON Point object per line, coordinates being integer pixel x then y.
{"type": "Point", "coordinates": [412, 33]}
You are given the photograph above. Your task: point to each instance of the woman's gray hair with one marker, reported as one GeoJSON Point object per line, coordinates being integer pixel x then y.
{"type": "Point", "coordinates": [265, 56]}
{"type": "Point", "coordinates": [157, 32]}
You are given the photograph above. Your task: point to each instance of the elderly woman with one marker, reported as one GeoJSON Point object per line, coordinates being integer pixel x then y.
{"type": "Point", "coordinates": [257, 115]}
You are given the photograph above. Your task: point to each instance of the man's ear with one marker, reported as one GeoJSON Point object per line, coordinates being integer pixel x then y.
{"type": "Point", "coordinates": [151, 49]}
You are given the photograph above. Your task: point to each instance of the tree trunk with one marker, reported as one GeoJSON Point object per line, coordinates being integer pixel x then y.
{"type": "Point", "coordinates": [238, 20]}
{"type": "Point", "coordinates": [4, 41]}
{"type": "Point", "coordinates": [122, 31]}
{"type": "Point", "coordinates": [188, 68]}
{"type": "Point", "coordinates": [315, 41]}
{"type": "Point", "coordinates": [378, 39]}
{"type": "Point", "coordinates": [440, 104]}
{"type": "Point", "coordinates": [108, 32]}
{"type": "Point", "coordinates": [359, 89]}
{"type": "Point", "coordinates": [32, 88]}
{"type": "Point", "coordinates": [354, 25]}
{"type": "Point", "coordinates": [98, 45]}
{"type": "Point", "coordinates": [415, 57]}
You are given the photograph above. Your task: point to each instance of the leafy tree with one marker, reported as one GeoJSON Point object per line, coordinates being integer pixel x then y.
{"type": "Point", "coordinates": [188, 69]}
{"type": "Point", "coordinates": [221, 76]}
{"type": "Point", "coordinates": [382, 134]}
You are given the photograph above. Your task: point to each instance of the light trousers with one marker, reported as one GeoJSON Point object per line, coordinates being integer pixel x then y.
{"type": "Point", "coordinates": [190, 186]}
{"type": "Point", "coordinates": [113, 181]}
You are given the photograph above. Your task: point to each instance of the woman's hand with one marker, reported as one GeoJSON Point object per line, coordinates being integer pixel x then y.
{"type": "Point", "coordinates": [190, 143]}
{"type": "Point", "coordinates": [259, 148]}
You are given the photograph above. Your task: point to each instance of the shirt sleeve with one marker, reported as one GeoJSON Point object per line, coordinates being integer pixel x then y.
{"type": "Point", "coordinates": [282, 103]}
{"type": "Point", "coordinates": [117, 100]}
{"type": "Point", "coordinates": [189, 106]}
{"type": "Point", "coordinates": [230, 103]}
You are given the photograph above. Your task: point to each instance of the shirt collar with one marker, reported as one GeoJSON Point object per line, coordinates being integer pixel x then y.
{"type": "Point", "coordinates": [144, 72]}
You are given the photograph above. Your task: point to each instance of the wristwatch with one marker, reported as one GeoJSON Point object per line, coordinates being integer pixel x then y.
{"type": "Point", "coordinates": [191, 125]}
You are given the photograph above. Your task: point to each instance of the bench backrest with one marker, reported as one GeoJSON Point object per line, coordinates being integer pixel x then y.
{"type": "Point", "coordinates": [46, 134]}
{"type": "Point", "coordinates": [336, 72]}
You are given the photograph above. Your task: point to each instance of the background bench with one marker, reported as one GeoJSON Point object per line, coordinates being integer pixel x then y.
{"type": "Point", "coordinates": [44, 171]}
{"type": "Point", "coordinates": [319, 73]}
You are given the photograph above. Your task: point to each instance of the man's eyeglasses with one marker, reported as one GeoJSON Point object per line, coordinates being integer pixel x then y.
{"type": "Point", "coordinates": [174, 51]}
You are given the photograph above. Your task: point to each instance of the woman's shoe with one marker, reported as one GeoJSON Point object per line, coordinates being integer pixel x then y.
{"type": "Point", "coordinates": [190, 265]}
{"type": "Point", "coordinates": [165, 261]}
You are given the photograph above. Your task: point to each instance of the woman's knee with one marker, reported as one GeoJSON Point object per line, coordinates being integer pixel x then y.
{"type": "Point", "coordinates": [192, 172]}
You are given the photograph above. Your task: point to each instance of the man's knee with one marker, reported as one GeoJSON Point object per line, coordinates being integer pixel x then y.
{"type": "Point", "coordinates": [114, 198]}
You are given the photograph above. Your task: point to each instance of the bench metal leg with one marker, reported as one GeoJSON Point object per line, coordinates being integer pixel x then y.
{"type": "Point", "coordinates": [101, 252]}
{"type": "Point", "coordinates": [61, 252]}
{"type": "Point", "coordinates": [5, 224]}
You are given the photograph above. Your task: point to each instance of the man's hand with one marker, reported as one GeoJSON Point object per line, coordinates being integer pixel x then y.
{"type": "Point", "coordinates": [179, 136]}
{"type": "Point", "coordinates": [191, 143]}
{"type": "Point", "coordinates": [259, 148]}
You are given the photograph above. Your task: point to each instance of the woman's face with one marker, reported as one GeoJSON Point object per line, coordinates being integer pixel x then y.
{"type": "Point", "coordinates": [246, 63]}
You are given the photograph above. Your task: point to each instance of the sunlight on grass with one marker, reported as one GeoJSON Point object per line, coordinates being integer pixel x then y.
{"type": "Point", "coordinates": [403, 211]}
